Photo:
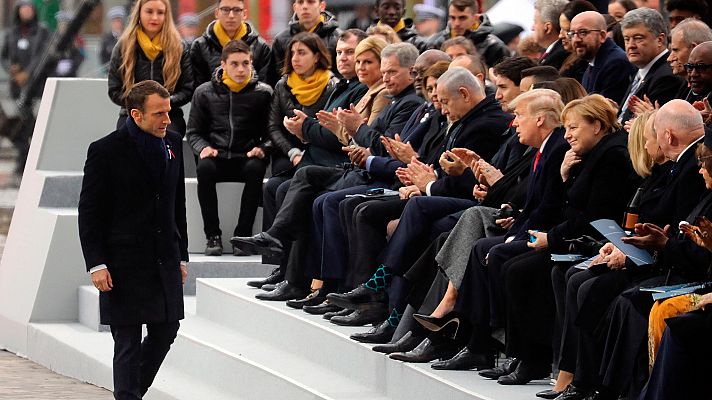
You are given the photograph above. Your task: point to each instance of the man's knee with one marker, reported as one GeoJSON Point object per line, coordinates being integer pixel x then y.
{"type": "Point", "coordinates": [206, 169]}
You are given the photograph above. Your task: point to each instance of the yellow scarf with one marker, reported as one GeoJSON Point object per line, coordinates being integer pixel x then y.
{"type": "Point", "coordinates": [151, 48]}
{"type": "Point", "coordinates": [321, 21]}
{"type": "Point", "coordinates": [234, 86]}
{"type": "Point", "coordinates": [308, 91]}
{"type": "Point", "coordinates": [472, 29]}
{"type": "Point", "coordinates": [222, 35]}
{"type": "Point", "coordinates": [399, 26]}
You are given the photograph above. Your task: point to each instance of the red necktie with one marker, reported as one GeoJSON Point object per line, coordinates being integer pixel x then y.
{"type": "Point", "coordinates": [536, 160]}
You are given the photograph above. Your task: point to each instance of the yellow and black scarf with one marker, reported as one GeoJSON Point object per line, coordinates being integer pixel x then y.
{"type": "Point", "coordinates": [307, 91]}
{"type": "Point", "coordinates": [399, 26]}
{"type": "Point", "coordinates": [233, 85]}
{"type": "Point", "coordinates": [151, 47]}
{"type": "Point", "coordinates": [321, 21]}
{"type": "Point", "coordinates": [224, 38]}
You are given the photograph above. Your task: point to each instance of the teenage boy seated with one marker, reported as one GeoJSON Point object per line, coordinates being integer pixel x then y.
{"type": "Point", "coordinates": [228, 118]}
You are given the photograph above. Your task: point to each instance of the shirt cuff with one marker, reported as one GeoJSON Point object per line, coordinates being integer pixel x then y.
{"type": "Point", "coordinates": [293, 152]}
{"type": "Point", "coordinates": [368, 162]}
{"type": "Point", "coordinates": [97, 268]}
{"type": "Point", "coordinates": [427, 188]}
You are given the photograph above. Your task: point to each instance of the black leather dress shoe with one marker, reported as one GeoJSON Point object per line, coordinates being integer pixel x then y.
{"type": "Point", "coordinates": [465, 360]}
{"type": "Point", "coordinates": [404, 344]}
{"type": "Point", "coordinates": [357, 297]}
{"type": "Point", "coordinates": [261, 243]}
{"type": "Point", "coordinates": [270, 286]}
{"type": "Point", "coordinates": [344, 312]}
{"type": "Point", "coordinates": [367, 314]}
{"type": "Point", "coordinates": [312, 299]}
{"type": "Point", "coordinates": [427, 351]}
{"type": "Point", "coordinates": [378, 334]}
{"type": "Point", "coordinates": [283, 291]}
{"type": "Point", "coordinates": [507, 367]}
{"type": "Point", "coordinates": [274, 277]}
{"type": "Point", "coordinates": [548, 394]}
{"type": "Point", "coordinates": [573, 393]}
{"type": "Point", "coordinates": [321, 308]}
{"type": "Point", "coordinates": [525, 373]}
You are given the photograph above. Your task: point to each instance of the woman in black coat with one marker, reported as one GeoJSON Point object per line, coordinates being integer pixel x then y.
{"type": "Point", "coordinates": [151, 49]}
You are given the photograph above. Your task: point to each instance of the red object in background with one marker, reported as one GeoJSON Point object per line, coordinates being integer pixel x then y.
{"type": "Point", "coordinates": [265, 19]}
{"type": "Point", "coordinates": [186, 6]}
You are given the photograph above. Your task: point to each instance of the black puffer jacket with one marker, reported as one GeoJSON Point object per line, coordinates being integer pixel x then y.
{"type": "Point", "coordinates": [23, 45]}
{"type": "Point", "coordinates": [410, 35]}
{"type": "Point", "coordinates": [205, 53]}
{"type": "Point", "coordinates": [491, 48]}
{"type": "Point", "coordinates": [232, 123]}
{"type": "Point", "coordinates": [145, 69]}
{"type": "Point", "coordinates": [328, 31]}
{"type": "Point", "coordinates": [283, 104]}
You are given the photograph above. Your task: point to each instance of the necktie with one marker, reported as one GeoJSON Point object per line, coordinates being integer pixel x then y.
{"type": "Point", "coordinates": [536, 160]}
{"type": "Point", "coordinates": [633, 88]}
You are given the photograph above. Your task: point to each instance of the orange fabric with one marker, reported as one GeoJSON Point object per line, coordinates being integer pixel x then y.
{"type": "Point", "coordinates": [662, 311]}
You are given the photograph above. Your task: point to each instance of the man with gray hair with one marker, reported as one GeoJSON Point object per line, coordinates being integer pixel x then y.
{"type": "Point", "coordinates": [683, 39]}
{"type": "Point", "coordinates": [546, 31]}
{"type": "Point", "coordinates": [645, 36]}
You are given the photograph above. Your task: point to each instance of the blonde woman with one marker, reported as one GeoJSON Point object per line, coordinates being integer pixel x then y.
{"type": "Point", "coordinates": [151, 49]}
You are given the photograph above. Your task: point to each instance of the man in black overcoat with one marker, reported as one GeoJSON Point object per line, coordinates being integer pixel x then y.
{"type": "Point", "coordinates": [132, 227]}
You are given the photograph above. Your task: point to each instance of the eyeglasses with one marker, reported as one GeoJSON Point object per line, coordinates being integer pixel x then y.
{"type": "Point", "coordinates": [582, 33]}
{"type": "Point", "coordinates": [702, 159]}
{"type": "Point", "coordinates": [699, 67]}
{"type": "Point", "coordinates": [227, 10]}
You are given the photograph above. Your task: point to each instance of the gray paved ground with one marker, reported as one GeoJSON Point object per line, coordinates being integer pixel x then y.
{"type": "Point", "coordinates": [19, 377]}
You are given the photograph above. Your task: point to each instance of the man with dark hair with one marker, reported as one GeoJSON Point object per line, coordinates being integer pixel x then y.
{"type": "Point", "coordinates": [465, 20]}
{"type": "Point", "coordinates": [680, 10]}
{"type": "Point", "coordinates": [546, 31]}
{"type": "Point", "coordinates": [230, 24]}
{"type": "Point", "coordinates": [533, 75]}
{"type": "Point", "coordinates": [226, 129]}
{"type": "Point", "coordinates": [507, 77]}
{"type": "Point", "coordinates": [309, 16]}
{"type": "Point", "coordinates": [390, 12]}
{"type": "Point", "coordinates": [132, 228]}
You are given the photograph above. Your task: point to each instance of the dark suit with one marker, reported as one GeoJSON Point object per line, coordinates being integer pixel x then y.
{"type": "Point", "coordinates": [132, 219]}
{"type": "Point", "coordinates": [610, 74]}
{"type": "Point", "coordinates": [556, 57]}
{"type": "Point", "coordinates": [659, 84]}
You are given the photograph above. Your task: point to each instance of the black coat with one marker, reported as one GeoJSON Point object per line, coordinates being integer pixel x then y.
{"type": "Point", "coordinates": [611, 73]}
{"type": "Point", "coordinates": [106, 47]}
{"type": "Point", "coordinates": [283, 104]}
{"type": "Point", "coordinates": [206, 51]}
{"type": "Point", "coordinates": [145, 69]}
{"type": "Point", "coordinates": [556, 57]}
{"type": "Point", "coordinates": [545, 190]}
{"type": "Point", "coordinates": [36, 37]}
{"type": "Point", "coordinates": [491, 48]}
{"type": "Point", "coordinates": [390, 121]}
{"type": "Point", "coordinates": [480, 130]}
{"type": "Point", "coordinates": [328, 31]}
{"type": "Point", "coordinates": [409, 35]}
{"type": "Point", "coordinates": [231, 123]}
{"type": "Point", "coordinates": [137, 227]}
{"type": "Point", "coordinates": [659, 84]}
{"type": "Point", "coordinates": [598, 187]}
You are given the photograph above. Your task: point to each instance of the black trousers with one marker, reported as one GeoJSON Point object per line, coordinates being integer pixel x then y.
{"type": "Point", "coordinates": [212, 170]}
{"type": "Point", "coordinates": [275, 189]}
{"type": "Point", "coordinates": [136, 362]}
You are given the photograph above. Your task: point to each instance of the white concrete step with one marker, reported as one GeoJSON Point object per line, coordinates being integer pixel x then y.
{"type": "Point", "coordinates": [230, 303]}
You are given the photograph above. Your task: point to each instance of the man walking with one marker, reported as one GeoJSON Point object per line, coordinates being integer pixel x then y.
{"type": "Point", "coordinates": [132, 228]}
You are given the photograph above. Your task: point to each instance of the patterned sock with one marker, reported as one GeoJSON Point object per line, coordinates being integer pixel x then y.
{"type": "Point", "coordinates": [380, 280]}
{"type": "Point", "coordinates": [394, 318]}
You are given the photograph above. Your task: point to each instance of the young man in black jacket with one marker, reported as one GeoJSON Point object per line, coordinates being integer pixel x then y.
{"type": "Point", "coordinates": [228, 117]}
{"type": "Point", "coordinates": [390, 12]}
{"type": "Point", "coordinates": [230, 24]}
{"type": "Point", "coordinates": [309, 16]}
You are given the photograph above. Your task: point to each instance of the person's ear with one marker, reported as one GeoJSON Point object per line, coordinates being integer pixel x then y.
{"type": "Point", "coordinates": [322, 6]}
{"type": "Point", "coordinates": [465, 94]}
{"type": "Point", "coordinates": [136, 114]}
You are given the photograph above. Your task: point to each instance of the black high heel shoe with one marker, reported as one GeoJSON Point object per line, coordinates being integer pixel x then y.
{"type": "Point", "coordinates": [448, 323]}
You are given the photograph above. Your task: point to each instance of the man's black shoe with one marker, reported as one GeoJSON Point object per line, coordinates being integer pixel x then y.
{"type": "Point", "coordinates": [261, 243]}
{"type": "Point", "coordinates": [507, 367]}
{"type": "Point", "coordinates": [342, 313]}
{"type": "Point", "coordinates": [312, 299]}
{"type": "Point", "coordinates": [322, 308]}
{"type": "Point", "coordinates": [268, 287]}
{"type": "Point", "coordinates": [525, 373]}
{"type": "Point", "coordinates": [274, 278]}
{"type": "Point", "coordinates": [465, 360]}
{"type": "Point", "coordinates": [357, 297]}
{"type": "Point", "coordinates": [427, 351]}
{"type": "Point", "coordinates": [283, 291]}
{"type": "Point", "coordinates": [367, 314]}
{"type": "Point", "coordinates": [573, 393]}
{"type": "Point", "coordinates": [402, 345]}
{"type": "Point", "coordinates": [214, 246]}
{"type": "Point", "coordinates": [379, 334]}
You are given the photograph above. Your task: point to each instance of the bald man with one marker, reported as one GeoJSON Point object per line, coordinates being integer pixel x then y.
{"type": "Point", "coordinates": [609, 72]}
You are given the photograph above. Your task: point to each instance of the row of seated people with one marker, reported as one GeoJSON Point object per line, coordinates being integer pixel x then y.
{"type": "Point", "coordinates": [491, 186]}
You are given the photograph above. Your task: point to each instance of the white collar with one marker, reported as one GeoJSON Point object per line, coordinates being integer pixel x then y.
{"type": "Point", "coordinates": [541, 148]}
{"type": "Point", "coordinates": [551, 47]}
{"type": "Point", "coordinates": [644, 71]}
{"type": "Point", "coordinates": [689, 146]}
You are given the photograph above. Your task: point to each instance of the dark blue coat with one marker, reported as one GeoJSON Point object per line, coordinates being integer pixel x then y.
{"type": "Point", "coordinates": [610, 74]}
